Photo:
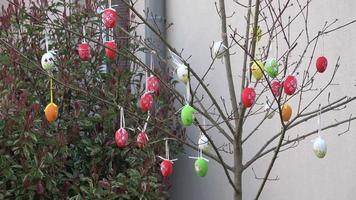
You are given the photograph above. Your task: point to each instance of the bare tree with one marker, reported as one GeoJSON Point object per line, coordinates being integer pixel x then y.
{"type": "Point", "coordinates": [267, 20]}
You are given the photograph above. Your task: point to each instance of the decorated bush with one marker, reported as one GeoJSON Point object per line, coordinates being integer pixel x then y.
{"type": "Point", "coordinates": [63, 100]}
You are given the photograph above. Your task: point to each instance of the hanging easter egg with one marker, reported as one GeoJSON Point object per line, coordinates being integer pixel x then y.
{"type": "Point", "coordinates": [286, 112]}
{"type": "Point", "coordinates": [152, 83]}
{"type": "Point", "coordinates": [256, 69]}
{"type": "Point", "coordinates": [166, 168]}
{"type": "Point", "coordinates": [51, 112]}
{"type": "Point", "coordinates": [146, 101]}
{"type": "Point", "coordinates": [290, 85]}
{"type": "Point", "coordinates": [248, 97]}
{"type": "Point", "coordinates": [110, 49]}
{"type": "Point", "coordinates": [219, 49]}
{"type": "Point", "coordinates": [272, 68]}
{"type": "Point", "coordinates": [321, 64]}
{"type": "Point", "coordinates": [121, 137]}
{"type": "Point", "coordinates": [84, 51]}
{"type": "Point", "coordinates": [271, 109]}
{"type": "Point", "coordinates": [187, 115]}
{"type": "Point", "coordinates": [182, 73]}
{"type": "Point", "coordinates": [109, 17]}
{"type": "Point", "coordinates": [47, 60]}
{"type": "Point", "coordinates": [276, 86]}
{"type": "Point", "coordinates": [203, 143]}
{"type": "Point", "coordinates": [319, 147]}
{"type": "Point", "coordinates": [141, 140]}
{"type": "Point", "coordinates": [201, 167]}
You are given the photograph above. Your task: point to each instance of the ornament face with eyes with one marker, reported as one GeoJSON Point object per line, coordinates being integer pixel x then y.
{"type": "Point", "coordinates": [47, 60]}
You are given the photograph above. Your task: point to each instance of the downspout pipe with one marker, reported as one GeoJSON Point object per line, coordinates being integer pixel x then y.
{"type": "Point", "coordinates": [156, 16]}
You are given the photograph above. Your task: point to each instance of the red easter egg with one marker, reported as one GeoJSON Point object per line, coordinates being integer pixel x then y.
{"type": "Point", "coordinates": [290, 85]}
{"type": "Point", "coordinates": [166, 168]}
{"type": "Point", "coordinates": [109, 17]}
{"type": "Point", "coordinates": [110, 49]}
{"type": "Point", "coordinates": [142, 140]}
{"type": "Point", "coordinates": [84, 51]}
{"type": "Point", "coordinates": [40, 189]}
{"type": "Point", "coordinates": [248, 97]}
{"type": "Point", "coordinates": [121, 137]}
{"type": "Point", "coordinates": [152, 84]}
{"type": "Point", "coordinates": [146, 101]}
{"type": "Point", "coordinates": [321, 64]}
{"type": "Point", "coordinates": [276, 85]}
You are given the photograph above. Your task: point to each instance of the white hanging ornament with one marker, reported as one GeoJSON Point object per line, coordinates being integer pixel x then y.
{"type": "Point", "coordinates": [181, 68]}
{"type": "Point", "coordinates": [219, 49]}
{"type": "Point", "coordinates": [270, 109]}
{"type": "Point", "coordinates": [201, 163]}
{"type": "Point", "coordinates": [182, 73]}
{"type": "Point", "coordinates": [319, 147]}
{"type": "Point", "coordinates": [47, 60]}
{"type": "Point", "coordinates": [203, 143]}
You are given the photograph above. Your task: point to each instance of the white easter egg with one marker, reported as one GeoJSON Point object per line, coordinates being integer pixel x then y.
{"type": "Point", "coordinates": [203, 142]}
{"type": "Point", "coordinates": [47, 60]}
{"type": "Point", "coordinates": [219, 49]}
{"type": "Point", "coordinates": [319, 147]}
{"type": "Point", "coordinates": [182, 73]}
{"type": "Point", "coordinates": [271, 109]}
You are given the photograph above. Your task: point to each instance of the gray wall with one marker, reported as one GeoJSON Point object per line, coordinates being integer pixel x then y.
{"type": "Point", "coordinates": [301, 174]}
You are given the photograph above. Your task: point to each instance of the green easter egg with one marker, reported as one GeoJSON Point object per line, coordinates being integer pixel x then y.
{"type": "Point", "coordinates": [201, 167]}
{"type": "Point", "coordinates": [272, 68]}
{"type": "Point", "coordinates": [186, 115]}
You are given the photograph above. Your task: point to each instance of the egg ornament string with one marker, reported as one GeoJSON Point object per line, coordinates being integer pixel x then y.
{"type": "Point", "coordinates": [142, 138]}
{"type": "Point", "coordinates": [51, 110]}
{"type": "Point", "coordinates": [110, 48]}
{"type": "Point", "coordinates": [201, 163]}
{"type": "Point", "coordinates": [152, 82]}
{"type": "Point", "coordinates": [146, 100]}
{"type": "Point", "coordinates": [180, 67]}
{"type": "Point", "coordinates": [48, 58]}
{"type": "Point", "coordinates": [121, 135]}
{"type": "Point", "coordinates": [166, 165]}
{"type": "Point", "coordinates": [187, 111]}
{"type": "Point", "coordinates": [47, 61]}
{"type": "Point", "coordinates": [319, 144]}
{"type": "Point", "coordinates": [321, 62]}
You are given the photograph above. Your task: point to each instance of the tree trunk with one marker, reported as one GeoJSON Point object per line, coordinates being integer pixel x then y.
{"type": "Point", "coordinates": [238, 169]}
{"type": "Point", "coordinates": [238, 122]}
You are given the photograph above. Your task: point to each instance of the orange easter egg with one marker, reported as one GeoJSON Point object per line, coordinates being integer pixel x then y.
{"type": "Point", "coordinates": [51, 112]}
{"type": "Point", "coordinates": [286, 112]}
